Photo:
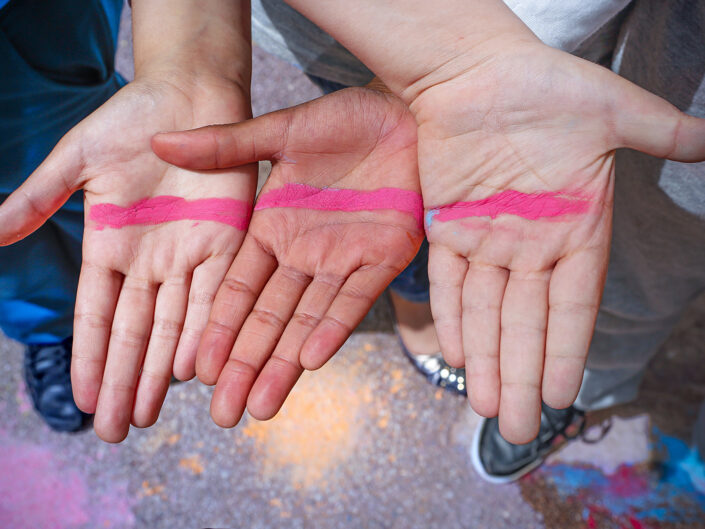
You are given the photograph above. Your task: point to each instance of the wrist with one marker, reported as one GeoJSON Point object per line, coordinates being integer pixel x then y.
{"type": "Point", "coordinates": [203, 38]}
{"type": "Point", "coordinates": [208, 98]}
{"type": "Point", "coordinates": [413, 44]}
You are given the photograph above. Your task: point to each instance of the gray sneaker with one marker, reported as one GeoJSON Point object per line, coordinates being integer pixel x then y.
{"type": "Point", "coordinates": [499, 461]}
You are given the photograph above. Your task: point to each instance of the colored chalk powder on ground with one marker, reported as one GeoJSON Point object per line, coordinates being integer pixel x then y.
{"type": "Point", "coordinates": [349, 200]}
{"type": "Point", "coordinates": [531, 206]}
{"type": "Point", "coordinates": [157, 210]}
{"type": "Point", "coordinates": [647, 495]}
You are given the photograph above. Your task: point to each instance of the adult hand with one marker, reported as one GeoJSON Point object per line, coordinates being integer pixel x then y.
{"type": "Point", "coordinates": [147, 278]}
{"type": "Point", "coordinates": [516, 156]}
{"type": "Point", "coordinates": [338, 219]}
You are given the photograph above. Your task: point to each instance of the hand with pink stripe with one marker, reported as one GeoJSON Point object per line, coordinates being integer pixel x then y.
{"type": "Point", "coordinates": [158, 241]}
{"type": "Point", "coordinates": [516, 146]}
{"type": "Point", "coordinates": [338, 219]}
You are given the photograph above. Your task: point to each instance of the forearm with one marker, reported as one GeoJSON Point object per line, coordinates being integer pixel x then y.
{"type": "Point", "coordinates": [193, 38]}
{"type": "Point", "coordinates": [414, 44]}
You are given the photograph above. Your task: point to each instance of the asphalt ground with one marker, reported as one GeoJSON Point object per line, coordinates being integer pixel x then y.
{"type": "Point", "coordinates": [365, 442]}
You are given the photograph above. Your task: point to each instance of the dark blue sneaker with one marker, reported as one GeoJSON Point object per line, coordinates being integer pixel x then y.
{"type": "Point", "coordinates": [47, 372]}
{"type": "Point", "coordinates": [499, 461]}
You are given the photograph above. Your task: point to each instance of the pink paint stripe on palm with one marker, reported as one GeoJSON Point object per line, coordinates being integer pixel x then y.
{"type": "Point", "coordinates": [158, 210]}
{"type": "Point", "coordinates": [349, 200]}
{"type": "Point", "coordinates": [530, 206]}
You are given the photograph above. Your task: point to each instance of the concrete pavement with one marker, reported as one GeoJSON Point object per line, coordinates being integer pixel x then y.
{"type": "Point", "coordinates": [364, 443]}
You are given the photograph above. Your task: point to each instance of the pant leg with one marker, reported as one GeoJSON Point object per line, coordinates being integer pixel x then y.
{"type": "Point", "coordinates": [56, 67]}
{"type": "Point", "coordinates": [657, 263]}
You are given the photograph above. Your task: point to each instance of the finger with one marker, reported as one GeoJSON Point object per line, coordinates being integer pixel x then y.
{"type": "Point", "coordinates": [255, 343]}
{"type": "Point", "coordinates": [349, 307]}
{"type": "Point", "coordinates": [522, 343]}
{"type": "Point", "coordinates": [236, 296]}
{"type": "Point", "coordinates": [207, 277]}
{"type": "Point", "coordinates": [446, 274]}
{"type": "Point", "coordinates": [483, 291]}
{"type": "Point", "coordinates": [574, 299]}
{"type": "Point", "coordinates": [283, 369]}
{"type": "Point", "coordinates": [93, 319]}
{"type": "Point", "coordinates": [648, 123]}
{"type": "Point", "coordinates": [128, 340]}
{"type": "Point", "coordinates": [153, 382]}
{"type": "Point", "coordinates": [44, 192]}
{"type": "Point", "coordinates": [223, 146]}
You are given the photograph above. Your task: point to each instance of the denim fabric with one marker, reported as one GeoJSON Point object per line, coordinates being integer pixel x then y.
{"type": "Point", "coordinates": [412, 284]}
{"type": "Point", "coordinates": [56, 67]}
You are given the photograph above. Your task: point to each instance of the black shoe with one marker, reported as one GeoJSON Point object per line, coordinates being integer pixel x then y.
{"type": "Point", "coordinates": [47, 371]}
{"type": "Point", "coordinates": [499, 461]}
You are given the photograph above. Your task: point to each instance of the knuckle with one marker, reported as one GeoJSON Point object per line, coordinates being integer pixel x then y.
{"type": "Point", "coordinates": [356, 293]}
{"type": "Point", "coordinates": [236, 287]}
{"type": "Point", "coordinates": [219, 328]}
{"type": "Point", "coordinates": [159, 377]}
{"type": "Point", "coordinates": [201, 297]}
{"type": "Point", "coordinates": [335, 322]}
{"type": "Point", "coordinates": [92, 320]}
{"type": "Point", "coordinates": [267, 318]}
{"type": "Point", "coordinates": [329, 279]}
{"type": "Point", "coordinates": [240, 368]}
{"type": "Point", "coordinates": [124, 336]}
{"type": "Point", "coordinates": [166, 328]}
{"type": "Point", "coordinates": [294, 274]}
{"type": "Point", "coordinates": [285, 363]}
{"type": "Point", "coordinates": [118, 387]}
{"type": "Point", "coordinates": [305, 320]}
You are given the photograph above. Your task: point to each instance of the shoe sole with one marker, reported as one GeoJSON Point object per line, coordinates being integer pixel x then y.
{"type": "Point", "coordinates": [480, 468]}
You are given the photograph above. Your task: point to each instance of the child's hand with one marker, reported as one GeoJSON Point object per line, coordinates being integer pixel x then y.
{"type": "Point", "coordinates": [147, 278]}
{"type": "Point", "coordinates": [338, 219]}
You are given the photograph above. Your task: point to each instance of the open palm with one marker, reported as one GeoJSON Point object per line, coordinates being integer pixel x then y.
{"type": "Point", "coordinates": [338, 219]}
{"type": "Point", "coordinates": [152, 259]}
{"type": "Point", "coordinates": [516, 157]}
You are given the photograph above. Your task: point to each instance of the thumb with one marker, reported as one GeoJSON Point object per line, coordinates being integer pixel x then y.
{"type": "Point", "coordinates": [42, 193]}
{"type": "Point", "coordinates": [648, 123]}
{"type": "Point", "coordinates": [223, 146]}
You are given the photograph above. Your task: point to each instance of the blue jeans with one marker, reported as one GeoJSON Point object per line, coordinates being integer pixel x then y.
{"type": "Point", "coordinates": [56, 67]}
{"type": "Point", "coordinates": [412, 284]}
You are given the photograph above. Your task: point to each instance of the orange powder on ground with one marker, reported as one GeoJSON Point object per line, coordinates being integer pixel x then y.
{"type": "Point", "coordinates": [193, 463]}
{"type": "Point", "coordinates": [317, 430]}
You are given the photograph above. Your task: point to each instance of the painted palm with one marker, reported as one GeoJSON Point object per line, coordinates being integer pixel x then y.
{"type": "Point", "coordinates": [151, 262]}
{"type": "Point", "coordinates": [516, 157]}
{"type": "Point", "coordinates": [338, 219]}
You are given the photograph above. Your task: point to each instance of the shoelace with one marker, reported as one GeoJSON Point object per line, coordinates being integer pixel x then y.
{"type": "Point", "coordinates": [52, 359]}
{"type": "Point", "coordinates": [555, 431]}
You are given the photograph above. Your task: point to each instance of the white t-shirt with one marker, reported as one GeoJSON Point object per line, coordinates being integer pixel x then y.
{"type": "Point", "coordinates": [565, 24]}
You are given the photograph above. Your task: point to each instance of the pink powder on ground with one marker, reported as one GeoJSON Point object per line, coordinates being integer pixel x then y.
{"type": "Point", "coordinates": [37, 490]}
{"type": "Point", "coordinates": [333, 199]}
{"type": "Point", "coordinates": [161, 209]}
{"type": "Point", "coordinates": [529, 206]}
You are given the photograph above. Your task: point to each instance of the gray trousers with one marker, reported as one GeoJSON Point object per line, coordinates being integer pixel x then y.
{"type": "Point", "coordinates": [657, 262]}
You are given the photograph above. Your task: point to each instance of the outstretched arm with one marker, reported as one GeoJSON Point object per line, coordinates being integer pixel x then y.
{"type": "Point", "coordinates": [516, 146]}
{"type": "Point", "coordinates": [158, 240]}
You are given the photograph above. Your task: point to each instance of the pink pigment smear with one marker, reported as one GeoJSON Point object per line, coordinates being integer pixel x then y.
{"type": "Point", "coordinates": [158, 210]}
{"type": "Point", "coordinates": [529, 206]}
{"type": "Point", "coordinates": [333, 199]}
